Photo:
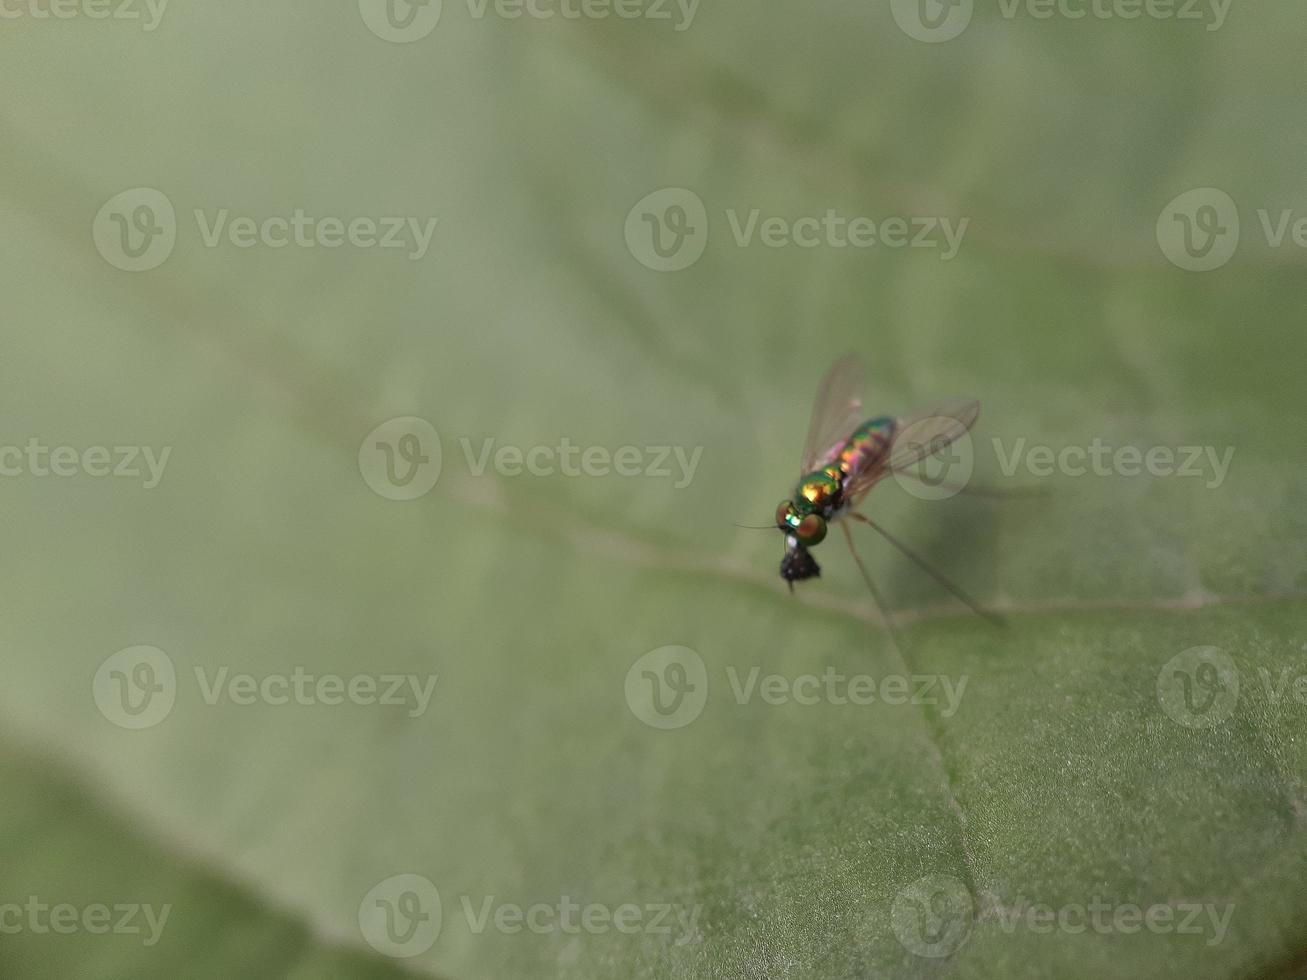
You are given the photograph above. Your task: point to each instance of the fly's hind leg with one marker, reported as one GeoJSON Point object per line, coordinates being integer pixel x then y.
{"type": "Point", "coordinates": [871, 587]}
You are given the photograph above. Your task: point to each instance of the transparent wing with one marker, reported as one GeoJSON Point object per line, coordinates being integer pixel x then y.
{"type": "Point", "coordinates": [917, 436]}
{"type": "Point", "coordinates": [923, 434]}
{"type": "Point", "coordinates": [836, 412]}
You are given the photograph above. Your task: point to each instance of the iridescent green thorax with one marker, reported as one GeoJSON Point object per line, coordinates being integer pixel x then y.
{"type": "Point", "coordinates": [822, 491]}
{"type": "Point", "coordinates": [819, 492]}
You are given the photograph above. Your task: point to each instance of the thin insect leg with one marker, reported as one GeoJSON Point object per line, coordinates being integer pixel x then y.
{"type": "Point", "coordinates": [975, 491]}
{"type": "Point", "coordinates": [925, 566]}
{"type": "Point", "coordinates": [875, 592]}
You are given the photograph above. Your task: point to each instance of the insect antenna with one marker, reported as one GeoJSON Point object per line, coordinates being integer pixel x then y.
{"type": "Point", "coordinates": [757, 527]}
{"type": "Point", "coordinates": [875, 592]}
{"type": "Point", "coordinates": [930, 570]}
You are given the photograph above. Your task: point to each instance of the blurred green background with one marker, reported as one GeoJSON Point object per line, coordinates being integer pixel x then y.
{"type": "Point", "coordinates": [830, 840]}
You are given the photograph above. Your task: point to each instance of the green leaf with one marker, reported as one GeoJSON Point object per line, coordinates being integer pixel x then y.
{"type": "Point", "coordinates": [1081, 792]}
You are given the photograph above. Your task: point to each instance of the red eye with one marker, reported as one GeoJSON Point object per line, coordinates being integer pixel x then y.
{"type": "Point", "coordinates": [786, 518]}
{"type": "Point", "coordinates": [811, 530]}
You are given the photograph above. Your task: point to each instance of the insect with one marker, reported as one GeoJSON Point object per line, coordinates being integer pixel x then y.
{"type": "Point", "coordinates": [845, 455]}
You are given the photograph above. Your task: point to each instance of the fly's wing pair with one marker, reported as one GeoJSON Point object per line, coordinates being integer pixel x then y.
{"type": "Point", "coordinates": [837, 413]}
{"type": "Point", "coordinates": [917, 437]}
